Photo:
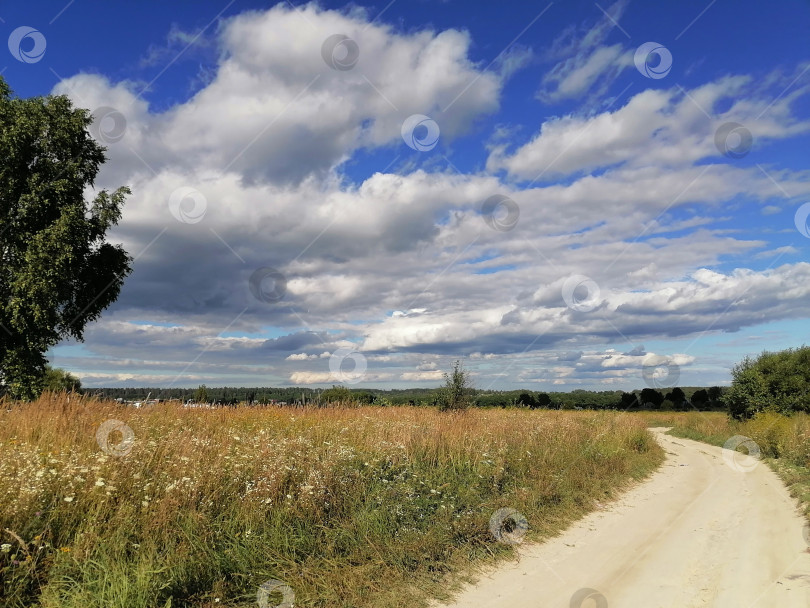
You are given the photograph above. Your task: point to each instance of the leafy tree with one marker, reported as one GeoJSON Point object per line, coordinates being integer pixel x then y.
{"type": "Point", "coordinates": [715, 393]}
{"type": "Point", "coordinates": [527, 400]}
{"type": "Point", "coordinates": [543, 400]}
{"type": "Point", "coordinates": [366, 398]}
{"type": "Point", "coordinates": [57, 272]}
{"type": "Point", "coordinates": [628, 400]}
{"type": "Point", "coordinates": [778, 381]}
{"type": "Point", "coordinates": [336, 394]}
{"type": "Point", "coordinates": [456, 394]}
{"type": "Point", "coordinates": [700, 398]}
{"type": "Point", "coordinates": [201, 394]}
{"type": "Point", "coordinates": [651, 398]}
{"type": "Point", "coordinates": [58, 380]}
{"type": "Point", "coordinates": [676, 397]}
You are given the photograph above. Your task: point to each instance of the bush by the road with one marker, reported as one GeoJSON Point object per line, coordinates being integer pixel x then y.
{"type": "Point", "coordinates": [774, 381]}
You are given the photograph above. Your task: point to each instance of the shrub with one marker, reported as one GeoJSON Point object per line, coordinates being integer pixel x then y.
{"type": "Point", "coordinates": [774, 381]}
{"type": "Point", "coordinates": [58, 380]}
{"type": "Point", "coordinates": [456, 394]}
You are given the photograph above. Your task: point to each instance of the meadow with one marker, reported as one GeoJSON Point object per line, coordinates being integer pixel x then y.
{"type": "Point", "coordinates": [339, 507]}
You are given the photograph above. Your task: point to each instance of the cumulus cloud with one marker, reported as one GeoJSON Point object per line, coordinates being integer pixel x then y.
{"type": "Point", "coordinates": [276, 112]}
{"type": "Point", "coordinates": [664, 128]}
{"type": "Point", "coordinates": [399, 262]}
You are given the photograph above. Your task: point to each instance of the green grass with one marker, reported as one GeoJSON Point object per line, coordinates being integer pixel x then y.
{"type": "Point", "coordinates": [351, 507]}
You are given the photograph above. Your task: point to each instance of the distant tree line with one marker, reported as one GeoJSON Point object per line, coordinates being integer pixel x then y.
{"type": "Point", "coordinates": [687, 398]}
{"type": "Point", "coordinates": [774, 381]}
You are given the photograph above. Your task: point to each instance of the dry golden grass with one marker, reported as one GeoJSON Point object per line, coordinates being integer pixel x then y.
{"type": "Point", "coordinates": [350, 507]}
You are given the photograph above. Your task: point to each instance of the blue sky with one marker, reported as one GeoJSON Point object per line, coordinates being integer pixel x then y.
{"type": "Point", "coordinates": [313, 187]}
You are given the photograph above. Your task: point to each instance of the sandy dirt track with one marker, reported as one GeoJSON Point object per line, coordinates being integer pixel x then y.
{"type": "Point", "coordinates": [704, 530]}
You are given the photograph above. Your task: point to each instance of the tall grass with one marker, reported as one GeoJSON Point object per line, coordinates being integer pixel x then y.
{"type": "Point", "coordinates": [349, 507]}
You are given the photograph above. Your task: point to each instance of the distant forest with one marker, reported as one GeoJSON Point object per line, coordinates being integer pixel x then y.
{"type": "Point", "coordinates": [648, 398]}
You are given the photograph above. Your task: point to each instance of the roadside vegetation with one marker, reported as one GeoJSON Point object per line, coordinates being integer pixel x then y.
{"type": "Point", "coordinates": [356, 507]}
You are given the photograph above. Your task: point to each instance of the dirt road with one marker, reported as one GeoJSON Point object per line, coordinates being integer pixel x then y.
{"type": "Point", "coordinates": [708, 529]}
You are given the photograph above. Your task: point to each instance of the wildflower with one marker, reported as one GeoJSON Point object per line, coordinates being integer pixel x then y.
{"type": "Point", "coordinates": [68, 499]}
{"type": "Point", "coordinates": [99, 482]}
{"type": "Point", "coordinates": [5, 547]}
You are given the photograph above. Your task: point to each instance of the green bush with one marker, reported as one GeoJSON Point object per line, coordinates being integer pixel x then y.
{"type": "Point", "coordinates": [774, 381]}
{"type": "Point", "coordinates": [457, 392]}
{"type": "Point", "coordinates": [58, 380]}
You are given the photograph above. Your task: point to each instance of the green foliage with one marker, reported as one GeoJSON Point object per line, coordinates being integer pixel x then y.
{"type": "Point", "coordinates": [527, 400]}
{"type": "Point", "coordinates": [364, 398]}
{"type": "Point", "coordinates": [628, 400]}
{"type": "Point", "coordinates": [57, 273]}
{"type": "Point", "coordinates": [57, 380]}
{"type": "Point", "coordinates": [456, 394]}
{"type": "Point", "coordinates": [652, 397]}
{"type": "Point", "coordinates": [700, 397]}
{"type": "Point", "coordinates": [774, 381]}
{"type": "Point", "coordinates": [677, 399]}
{"type": "Point", "coordinates": [336, 394]}
{"type": "Point", "coordinates": [201, 394]}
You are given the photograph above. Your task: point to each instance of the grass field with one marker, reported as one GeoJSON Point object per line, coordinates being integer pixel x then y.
{"type": "Point", "coordinates": [348, 507]}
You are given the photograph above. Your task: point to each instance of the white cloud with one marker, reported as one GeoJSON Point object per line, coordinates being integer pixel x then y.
{"type": "Point", "coordinates": [400, 261]}
{"type": "Point", "coordinates": [585, 64]}
{"type": "Point", "coordinates": [275, 111]}
{"type": "Point", "coordinates": [663, 128]}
